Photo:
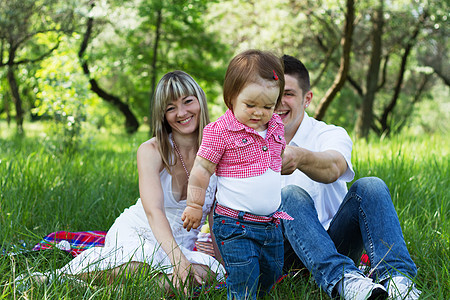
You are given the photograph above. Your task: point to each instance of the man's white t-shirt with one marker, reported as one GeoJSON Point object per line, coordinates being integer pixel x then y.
{"type": "Point", "coordinates": [318, 136]}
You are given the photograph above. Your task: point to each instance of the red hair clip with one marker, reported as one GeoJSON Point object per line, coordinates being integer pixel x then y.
{"type": "Point", "coordinates": [275, 75]}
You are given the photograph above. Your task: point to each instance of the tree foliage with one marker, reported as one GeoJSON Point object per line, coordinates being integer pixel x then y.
{"type": "Point", "coordinates": [398, 60]}
{"type": "Point", "coordinates": [22, 25]}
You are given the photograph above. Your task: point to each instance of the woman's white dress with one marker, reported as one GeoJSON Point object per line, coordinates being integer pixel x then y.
{"type": "Point", "coordinates": [130, 238]}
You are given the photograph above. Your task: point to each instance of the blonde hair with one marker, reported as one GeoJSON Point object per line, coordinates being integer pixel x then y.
{"type": "Point", "coordinates": [171, 87]}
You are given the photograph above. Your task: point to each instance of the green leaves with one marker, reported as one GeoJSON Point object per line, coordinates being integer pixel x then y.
{"type": "Point", "coordinates": [135, 42]}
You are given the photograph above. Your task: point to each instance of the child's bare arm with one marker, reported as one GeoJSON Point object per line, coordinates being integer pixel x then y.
{"type": "Point", "coordinates": [198, 183]}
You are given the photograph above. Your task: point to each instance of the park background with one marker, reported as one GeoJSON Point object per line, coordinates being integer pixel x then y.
{"type": "Point", "coordinates": [76, 85]}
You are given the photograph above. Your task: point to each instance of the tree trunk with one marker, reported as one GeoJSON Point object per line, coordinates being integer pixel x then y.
{"type": "Point", "coordinates": [416, 99]}
{"type": "Point", "coordinates": [155, 59]}
{"type": "Point", "coordinates": [365, 114]}
{"type": "Point", "coordinates": [16, 98]}
{"type": "Point", "coordinates": [131, 123]}
{"type": "Point", "coordinates": [6, 101]}
{"type": "Point", "coordinates": [385, 128]}
{"type": "Point", "coordinates": [339, 81]}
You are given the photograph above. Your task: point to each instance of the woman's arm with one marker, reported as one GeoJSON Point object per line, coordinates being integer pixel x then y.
{"type": "Point", "coordinates": [149, 166]}
{"type": "Point", "coordinates": [196, 191]}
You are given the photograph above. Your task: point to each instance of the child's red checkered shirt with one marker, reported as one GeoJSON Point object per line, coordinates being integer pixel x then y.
{"type": "Point", "coordinates": [238, 150]}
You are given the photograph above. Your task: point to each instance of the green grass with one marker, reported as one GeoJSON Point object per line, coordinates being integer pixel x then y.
{"type": "Point", "coordinates": [45, 188]}
{"type": "Point", "coordinates": [416, 170]}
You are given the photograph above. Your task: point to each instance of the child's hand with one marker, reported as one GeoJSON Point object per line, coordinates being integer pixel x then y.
{"type": "Point", "coordinates": [192, 217]}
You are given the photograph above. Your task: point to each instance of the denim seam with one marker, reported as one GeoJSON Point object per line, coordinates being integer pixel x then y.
{"type": "Point", "coordinates": [271, 234]}
{"type": "Point", "coordinates": [366, 228]}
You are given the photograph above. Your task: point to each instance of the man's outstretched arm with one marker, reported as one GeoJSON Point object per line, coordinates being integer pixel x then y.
{"type": "Point", "coordinates": [324, 167]}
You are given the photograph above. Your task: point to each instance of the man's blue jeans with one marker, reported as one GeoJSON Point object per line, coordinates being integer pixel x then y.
{"type": "Point", "coordinates": [252, 253]}
{"type": "Point", "coordinates": [366, 219]}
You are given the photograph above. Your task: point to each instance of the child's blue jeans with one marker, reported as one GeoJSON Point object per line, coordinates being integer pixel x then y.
{"type": "Point", "coordinates": [253, 254]}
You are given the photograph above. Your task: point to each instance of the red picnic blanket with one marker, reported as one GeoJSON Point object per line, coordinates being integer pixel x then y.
{"type": "Point", "coordinates": [72, 242]}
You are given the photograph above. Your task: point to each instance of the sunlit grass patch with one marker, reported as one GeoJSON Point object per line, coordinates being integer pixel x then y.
{"type": "Point", "coordinates": [45, 189]}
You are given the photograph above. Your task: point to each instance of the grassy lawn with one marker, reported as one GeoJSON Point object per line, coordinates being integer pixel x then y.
{"type": "Point", "coordinates": [46, 188]}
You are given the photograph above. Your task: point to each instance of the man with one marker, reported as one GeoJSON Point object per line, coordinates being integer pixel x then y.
{"type": "Point", "coordinates": [332, 226]}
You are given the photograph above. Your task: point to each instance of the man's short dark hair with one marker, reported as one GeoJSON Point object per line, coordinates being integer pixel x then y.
{"type": "Point", "coordinates": [294, 67]}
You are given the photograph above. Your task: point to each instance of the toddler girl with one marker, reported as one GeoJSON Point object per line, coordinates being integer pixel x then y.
{"type": "Point", "coordinates": [243, 147]}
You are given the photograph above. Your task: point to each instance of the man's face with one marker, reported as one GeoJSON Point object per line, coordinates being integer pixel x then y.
{"type": "Point", "coordinates": [292, 106]}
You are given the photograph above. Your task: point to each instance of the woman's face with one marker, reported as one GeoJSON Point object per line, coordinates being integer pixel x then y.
{"type": "Point", "coordinates": [183, 114]}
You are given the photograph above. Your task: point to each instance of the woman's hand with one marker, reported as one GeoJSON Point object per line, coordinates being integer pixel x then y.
{"type": "Point", "coordinates": [184, 271]}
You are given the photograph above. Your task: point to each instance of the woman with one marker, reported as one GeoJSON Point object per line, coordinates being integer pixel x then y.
{"type": "Point", "coordinates": [150, 233]}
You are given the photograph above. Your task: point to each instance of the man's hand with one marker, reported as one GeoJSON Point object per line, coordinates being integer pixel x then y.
{"type": "Point", "coordinates": [192, 217]}
{"type": "Point", "coordinates": [289, 160]}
